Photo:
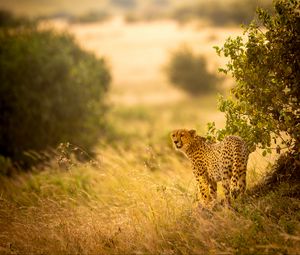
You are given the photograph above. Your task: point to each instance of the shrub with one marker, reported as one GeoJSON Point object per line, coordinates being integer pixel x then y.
{"type": "Point", "coordinates": [189, 72]}
{"type": "Point", "coordinates": [7, 19]}
{"type": "Point", "coordinates": [220, 12]}
{"type": "Point", "coordinates": [91, 16]}
{"type": "Point", "coordinates": [265, 105]}
{"type": "Point", "coordinates": [51, 92]}
{"type": "Point", "coordinates": [126, 4]}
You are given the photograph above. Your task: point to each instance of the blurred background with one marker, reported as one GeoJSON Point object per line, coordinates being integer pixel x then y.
{"type": "Point", "coordinates": [149, 66]}
{"type": "Point", "coordinates": [89, 93]}
{"type": "Point", "coordinates": [137, 37]}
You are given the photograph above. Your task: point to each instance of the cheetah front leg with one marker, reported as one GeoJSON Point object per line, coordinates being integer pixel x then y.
{"type": "Point", "coordinates": [213, 190]}
{"type": "Point", "coordinates": [203, 192]}
{"type": "Point", "coordinates": [207, 190]}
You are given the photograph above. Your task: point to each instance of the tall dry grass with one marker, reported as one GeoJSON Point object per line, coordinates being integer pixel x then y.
{"type": "Point", "coordinates": [138, 197]}
{"type": "Point", "coordinates": [122, 208]}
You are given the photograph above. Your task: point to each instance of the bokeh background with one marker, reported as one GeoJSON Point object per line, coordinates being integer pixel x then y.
{"type": "Point", "coordinates": [87, 166]}
{"type": "Point", "coordinates": [158, 57]}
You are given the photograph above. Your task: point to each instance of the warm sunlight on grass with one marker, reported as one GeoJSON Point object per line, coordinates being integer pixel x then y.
{"type": "Point", "coordinates": [138, 197]}
{"type": "Point", "coordinates": [136, 194]}
{"type": "Point", "coordinates": [132, 202]}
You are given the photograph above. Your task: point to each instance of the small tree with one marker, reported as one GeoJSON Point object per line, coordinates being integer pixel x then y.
{"type": "Point", "coordinates": [264, 105]}
{"type": "Point", "coordinates": [51, 91]}
{"type": "Point", "coordinates": [189, 72]}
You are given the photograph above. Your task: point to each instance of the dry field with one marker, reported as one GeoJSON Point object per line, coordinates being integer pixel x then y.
{"type": "Point", "coordinates": [137, 195]}
{"type": "Point", "coordinates": [137, 53]}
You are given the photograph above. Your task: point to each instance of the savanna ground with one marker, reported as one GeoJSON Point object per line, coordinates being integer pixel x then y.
{"type": "Point", "coordinates": [137, 195]}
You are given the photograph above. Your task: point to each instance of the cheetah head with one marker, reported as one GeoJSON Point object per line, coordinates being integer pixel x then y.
{"type": "Point", "coordinates": [182, 137]}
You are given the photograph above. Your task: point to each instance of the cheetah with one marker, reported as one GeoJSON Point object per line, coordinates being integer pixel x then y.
{"type": "Point", "coordinates": [224, 161]}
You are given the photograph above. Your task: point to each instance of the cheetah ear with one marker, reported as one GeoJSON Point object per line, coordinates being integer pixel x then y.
{"type": "Point", "coordinates": [192, 132]}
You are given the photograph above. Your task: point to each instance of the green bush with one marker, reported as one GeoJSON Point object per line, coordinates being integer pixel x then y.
{"type": "Point", "coordinates": [221, 12]}
{"type": "Point", "coordinates": [51, 92]}
{"type": "Point", "coordinates": [126, 4]}
{"type": "Point", "coordinates": [7, 19]}
{"type": "Point", "coordinates": [264, 109]}
{"type": "Point", "coordinates": [188, 71]}
{"type": "Point", "coordinates": [91, 16]}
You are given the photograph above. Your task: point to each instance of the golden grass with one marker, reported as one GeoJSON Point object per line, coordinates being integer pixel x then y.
{"type": "Point", "coordinates": [123, 207]}
{"type": "Point", "coordinates": [138, 197]}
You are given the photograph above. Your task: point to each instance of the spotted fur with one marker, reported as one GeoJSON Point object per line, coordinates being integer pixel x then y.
{"type": "Point", "coordinates": [225, 161]}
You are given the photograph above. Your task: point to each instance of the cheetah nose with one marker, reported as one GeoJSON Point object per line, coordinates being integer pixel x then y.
{"type": "Point", "coordinates": [178, 144]}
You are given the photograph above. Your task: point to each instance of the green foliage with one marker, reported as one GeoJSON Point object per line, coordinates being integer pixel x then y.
{"type": "Point", "coordinates": [51, 91]}
{"type": "Point", "coordinates": [7, 19]}
{"type": "Point", "coordinates": [124, 3]}
{"type": "Point", "coordinates": [189, 72]}
{"type": "Point", "coordinates": [221, 13]}
{"type": "Point", "coordinates": [264, 105]}
{"type": "Point", "coordinates": [91, 16]}
{"type": "Point", "coordinates": [5, 165]}
{"type": "Point", "coordinates": [121, 208]}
